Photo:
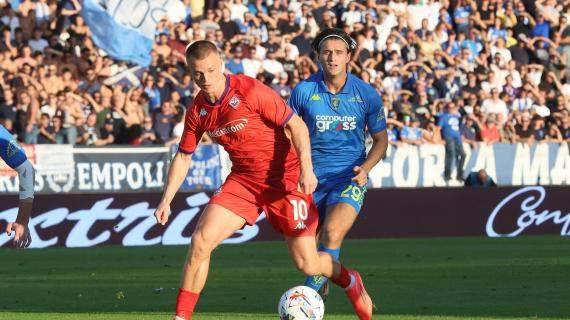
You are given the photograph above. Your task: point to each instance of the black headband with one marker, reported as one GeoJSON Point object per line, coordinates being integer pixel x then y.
{"type": "Point", "coordinates": [334, 33]}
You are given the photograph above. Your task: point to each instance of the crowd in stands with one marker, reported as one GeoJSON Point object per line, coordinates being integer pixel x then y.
{"type": "Point", "coordinates": [501, 65]}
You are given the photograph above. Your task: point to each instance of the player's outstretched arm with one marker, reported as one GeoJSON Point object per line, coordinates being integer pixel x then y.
{"type": "Point", "coordinates": [302, 144]}
{"type": "Point", "coordinates": [377, 152]}
{"type": "Point", "coordinates": [176, 175]}
{"type": "Point", "coordinates": [22, 238]}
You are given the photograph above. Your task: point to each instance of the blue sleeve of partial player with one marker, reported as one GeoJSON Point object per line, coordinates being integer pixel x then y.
{"type": "Point", "coordinates": [375, 118]}
{"type": "Point", "coordinates": [10, 150]}
{"type": "Point", "coordinates": [295, 100]}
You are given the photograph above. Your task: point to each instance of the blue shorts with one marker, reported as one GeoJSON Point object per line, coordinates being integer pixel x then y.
{"type": "Point", "coordinates": [329, 193]}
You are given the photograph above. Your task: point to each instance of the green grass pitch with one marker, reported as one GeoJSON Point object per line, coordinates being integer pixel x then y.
{"type": "Point", "coordinates": [441, 278]}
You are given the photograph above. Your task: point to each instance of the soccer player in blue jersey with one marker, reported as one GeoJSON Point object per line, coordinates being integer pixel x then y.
{"type": "Point", "coordinates": [338, 108]}
{"type": "Point", "coordinates": [14, 156]}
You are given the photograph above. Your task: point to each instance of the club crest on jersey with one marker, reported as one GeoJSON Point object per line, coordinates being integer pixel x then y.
{"type": "Point", "coordinates": [335, 103]}
{"type": "Point", "coordinates": [203, 112]}
{"type": "Point", "coordinates": [12, 148]}
{"type": "Point", "coordinates": [234, 102]}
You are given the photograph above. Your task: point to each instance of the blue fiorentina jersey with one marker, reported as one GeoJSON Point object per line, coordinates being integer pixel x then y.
{"type": "Point", "coordinates": [10, 150]}
{"type": "Point", "coordinates": [337, 122]}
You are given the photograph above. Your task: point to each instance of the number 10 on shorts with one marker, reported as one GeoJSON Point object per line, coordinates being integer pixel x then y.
{"type": "Point", "coordinates": [299, 209]}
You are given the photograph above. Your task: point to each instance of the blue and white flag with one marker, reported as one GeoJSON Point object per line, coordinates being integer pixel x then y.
{"type": "Point", "coordinates": [125, 29]}
{"type": "Point", "coordinates": [204, 172]}
{"type": "Point", "coordinates": [126, 78]}
{"type": "Point", "coordinates": [15, 4]}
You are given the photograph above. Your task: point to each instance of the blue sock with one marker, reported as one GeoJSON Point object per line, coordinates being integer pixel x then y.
{"type": "Point", "coordinates": [316, 282]}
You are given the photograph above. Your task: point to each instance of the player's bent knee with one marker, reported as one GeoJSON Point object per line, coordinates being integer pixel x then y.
{"type": "Point", "coordinates": [309, 267]}
{"type": "Point", "coordinates": [331, 236]}
{"type": "Point", "coordinates": [201, 247]}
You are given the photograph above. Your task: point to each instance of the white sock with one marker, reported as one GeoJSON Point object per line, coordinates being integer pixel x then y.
{"type": "Point", "coordinates": [352, 282]}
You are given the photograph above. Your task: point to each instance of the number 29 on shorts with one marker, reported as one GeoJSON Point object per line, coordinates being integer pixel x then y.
{"type": "Point", "coordinates": [354, 192]}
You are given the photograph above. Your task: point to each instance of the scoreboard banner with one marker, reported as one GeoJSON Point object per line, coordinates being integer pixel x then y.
{"type": "Point", "coordinates": [62, 168]}
{"type": "Point", "coordinates": [86, 220]}
{"type": "Point", "coordinates": [508, 164]}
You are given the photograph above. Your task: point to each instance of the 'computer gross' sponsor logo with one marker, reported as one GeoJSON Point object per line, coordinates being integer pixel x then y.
{"type": "Point", "coordinates": [337, 123]}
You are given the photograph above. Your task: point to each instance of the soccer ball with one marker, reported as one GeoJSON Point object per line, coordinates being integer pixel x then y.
{"type": "Point", "coordinates": [301, 303]}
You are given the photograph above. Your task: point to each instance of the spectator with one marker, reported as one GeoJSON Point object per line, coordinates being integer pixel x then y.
{"type": "Point", "coordinates": [470, 131]}
{"type": "Point", "coordinates": [565, 129]}
{"type": "Point", "coordinates": [153, 93]}
{"type": "Point", "coordinates": [45, 133]}
{"type": "Point", "coordinates": [164, 85]}
{"type": "Point", "coordinates": [540, 133]}
{"type": "Point", "coordinates": [479, 179]}
{"type": "Point", "coordinates": [393, 131]}
{"type": "Point", "coordinates": [303, 41]}
{"type": "Point", "coordinates": [432, 134]}
{"type": "Point", "coordinates": [523, 130]}
{"type": "Point", "coordinates": [161, 47]}
{"type": "Point", "coordinates": [496, 106]}
{"type": "Point", "coordinates": [490, 131]}
{"type": "Point", "coordinates": [461, 15]}
{"type": "Point", "coordinates": [352, 15]}
{"type": "Point", "coordinates": [541, 28]}
{"type": "Point", "coordinates": [234, 64]}
{"type": "Point", "coordinates": [289, 25]}
{"type": "Point", "coordinates": [282, 87]}
{"type": "Point", "coordinates": [229, 27]}
{"type": "Point", "coordinates": [472, 86]}
{"type": "Point", "coordinates": [8, 109]}
{"type": "Point", "coordinates": [238, 10]}
{"type": "Point", "coordinates": [271, 64]}
{"type": "Point", "coordinates": [209, 21]}
{"type": "Point", "coordinates": [411, 132]}
{"type": "Point", "coordinates": [449, 122]}
{"type": "Point", "coordinates": [177, 130]}
{"type": "Point", "coordinates": [87, 134]}
{"type": "Point", "coordinates": [59, 131]}
{"type": "Point", "coordinates": [43, 12]}
{"type": "Point", "coordinates": [164, 121]}
{"type": "Point", "coordinates": [106, 134]}
{"type": "Point", "coordinates": [37, 43]}
{"type": "Point", "coordinates": [148, 135]}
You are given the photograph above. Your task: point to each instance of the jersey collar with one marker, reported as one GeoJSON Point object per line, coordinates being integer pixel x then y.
{"type": "Point", "coordinates": [323, 87]}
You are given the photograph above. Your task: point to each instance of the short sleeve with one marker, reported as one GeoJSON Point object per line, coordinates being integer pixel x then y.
{"type": "Point", "coordinates": [376, 117]}
{"type": "Point", "coordinates": [269, 104]}
{"type": "Point", "coordinates": [10, 150]}
{"type": "Point", "coordinates": [191, 135]}
{"type": "Point", "coordinates": [441, 120]}
{"type": "Point", "coordinates": [295, 100]}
